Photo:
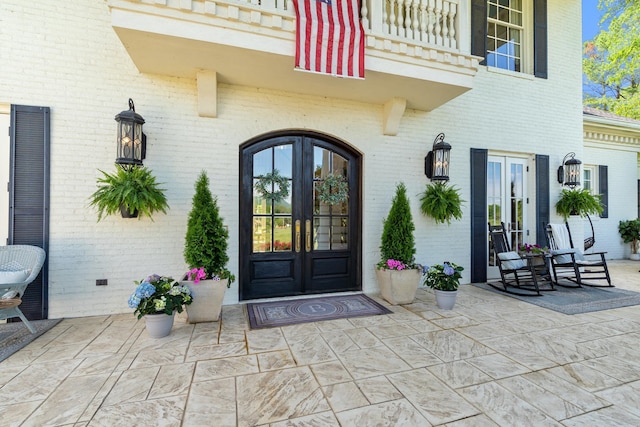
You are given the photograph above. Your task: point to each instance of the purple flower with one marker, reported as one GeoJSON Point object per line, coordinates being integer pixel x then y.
{"type": "Point", "coordinates": [448, 270]}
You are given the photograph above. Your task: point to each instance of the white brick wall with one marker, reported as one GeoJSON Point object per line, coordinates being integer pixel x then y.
{"type": "Point", "coordinates": [65, 55]}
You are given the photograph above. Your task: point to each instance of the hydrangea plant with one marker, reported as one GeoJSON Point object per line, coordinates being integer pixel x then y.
{"type": "Point", "coordinates": [159, 294]}
{"type": "Point", "coordinates": [443, 277]}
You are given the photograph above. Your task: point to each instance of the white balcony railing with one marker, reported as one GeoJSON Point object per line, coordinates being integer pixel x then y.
{"type": "Point", "coordinates": [430, 22]}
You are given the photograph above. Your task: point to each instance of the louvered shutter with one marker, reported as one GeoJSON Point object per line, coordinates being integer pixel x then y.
{"type": "Point", "coordinates": [29, 195]}
{"type": "Point", "coordinates": [542, 197]}
{"type": "Point", "coordinates": [479, 226]}
{"type": "Point", "coordinates": [540, 38]}
{"type": "Point", "coordinates": [603, 184]}
{"type": "Point", "coordinates": [479, 29]}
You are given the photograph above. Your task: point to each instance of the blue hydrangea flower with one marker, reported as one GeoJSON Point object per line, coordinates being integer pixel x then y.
{"type": "Point", "coordinates": [448, 270]}
{"type": "Point", "coordinates": [145, 290]}
{"type": "Point", "coordinates": [134, 301]}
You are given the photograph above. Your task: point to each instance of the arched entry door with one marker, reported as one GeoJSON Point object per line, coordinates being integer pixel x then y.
{"type": "Point", "coordinates": [298, 244]}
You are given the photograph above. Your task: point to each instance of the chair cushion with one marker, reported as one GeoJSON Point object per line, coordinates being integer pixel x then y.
{"type": "Point", "coordinates": [17, 276]}
{"type": "Point", "coordinates": [511, 260]}
{"type": "Point", "coordinates": [563, 256]}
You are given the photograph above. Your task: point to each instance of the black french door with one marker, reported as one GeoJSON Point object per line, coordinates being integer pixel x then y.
{"type": "Point", "coordinates": [298, 243]}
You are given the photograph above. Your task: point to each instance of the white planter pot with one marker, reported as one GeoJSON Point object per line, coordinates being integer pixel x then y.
{"type": "Point", "coordinates": [635, 257]}
{"type": "Point", "coordinates": [159, 325]}
{"type": "Point", "coordinates": [445, 299]}
{"type": "Point", "coordinates": [207, 300]}
{"type": "Point", "coordinates": [398, 287]}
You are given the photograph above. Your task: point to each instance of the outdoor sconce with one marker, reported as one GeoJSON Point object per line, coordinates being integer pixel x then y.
{"type": "Point", "coordinates": [132, 142]}
{"type": "Point", "coordinates": [569, 171]}
{"type": "Point", "coordinates": [436, 164]}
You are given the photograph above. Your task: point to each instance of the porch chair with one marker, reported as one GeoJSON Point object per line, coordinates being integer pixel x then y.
{"type": "Point", "coordinates": [19, 266]}
{"type": "Point", "coordinates": [515, 271]}
{"type": "Point", "coordinates": [572, 263]}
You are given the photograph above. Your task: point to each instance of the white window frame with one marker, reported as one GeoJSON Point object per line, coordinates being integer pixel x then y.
{"type": "Point", "coordinates": [526, 43]}
{"type": "Point", "coordinates": [591, 170]}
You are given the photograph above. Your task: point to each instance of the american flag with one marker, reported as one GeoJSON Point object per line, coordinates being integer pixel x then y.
{"type": "Point", "coordinates": [329, 37]}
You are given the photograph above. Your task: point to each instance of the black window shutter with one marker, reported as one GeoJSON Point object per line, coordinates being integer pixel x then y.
{"type": "Point", "coordinates": [542, 197]}
{"type": "Point", "coordinates": [479, 29]}
{"type": "Point", "coordinates": [29, 195]}
{"type": "Point", "coordinates": [479, 227]}
{"type": "Point", "coordinates": [540, 38]}
{"type": "Point", "coordinates": [603, 184]}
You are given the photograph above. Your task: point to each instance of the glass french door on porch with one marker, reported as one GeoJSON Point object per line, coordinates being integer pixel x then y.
{"type": "Point", "coordinates": [298, 243]}
{"type": "Point", "coordinates": [506, 202]}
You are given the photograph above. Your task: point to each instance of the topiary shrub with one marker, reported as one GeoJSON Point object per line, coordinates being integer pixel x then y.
{"type": "Point", "coordinates": [206, 238]}
{"type": "Point", "coordinates": [397, 235]}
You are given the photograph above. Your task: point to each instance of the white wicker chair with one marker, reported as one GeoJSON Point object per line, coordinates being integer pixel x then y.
{"type": "Point", "coordinates": [19, 265]}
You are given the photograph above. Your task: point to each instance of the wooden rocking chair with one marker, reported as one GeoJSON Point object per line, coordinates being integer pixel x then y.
{"type": "Point", "coordinates": [517, 273]}
{"type": "Point", "coordinates": [572, 263]}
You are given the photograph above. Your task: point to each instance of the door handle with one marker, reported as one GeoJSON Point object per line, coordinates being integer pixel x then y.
{"type": "Point", "coordinates": [307, 230]}
{"type": "Point", "coordinates": [297, 235]}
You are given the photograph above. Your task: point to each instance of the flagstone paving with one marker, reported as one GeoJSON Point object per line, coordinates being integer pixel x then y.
{"type": "Point", "coordinates": [492, 361]}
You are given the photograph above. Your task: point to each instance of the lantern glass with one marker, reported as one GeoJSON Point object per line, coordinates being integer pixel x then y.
{"type": "Point", "coordinates": [441, 162]}
{"type": "Point", "coordinates": [572, 173]}
{"type": "Point", "coordinates": [131, 140]}
{"type": "Point", "coordinates": [437, 167]}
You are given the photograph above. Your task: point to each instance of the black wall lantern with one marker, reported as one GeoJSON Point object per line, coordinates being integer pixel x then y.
{"type": "Point", "coordinates": [132, 142]}
{"type": "Point", "coordinates": [436, 164]}
{"type": "Point", "coordinates": [569, 171]}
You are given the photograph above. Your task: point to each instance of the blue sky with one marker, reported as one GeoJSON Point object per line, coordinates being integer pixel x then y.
{"type": "Point", "coordinates": [590, 18]}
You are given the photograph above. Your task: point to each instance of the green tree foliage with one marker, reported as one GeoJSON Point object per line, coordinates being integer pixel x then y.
{"type": "Point", "coordinates": [611, 61]}
{"type": "Point", "coordinates": [206, 238]}
{"type": "Point", "coordinates": [397, 236]}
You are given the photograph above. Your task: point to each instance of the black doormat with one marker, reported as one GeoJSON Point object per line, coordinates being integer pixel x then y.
{"type": "Point", "coordinates": [281, 313]}
{"type": "Point", "coordinates": [577, 300]}
{"type": "Point", "coordinates": [14, 336]}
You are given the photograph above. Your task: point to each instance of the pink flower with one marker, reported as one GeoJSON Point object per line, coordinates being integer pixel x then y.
{"type": "Point", "coordinates": [196, 274]}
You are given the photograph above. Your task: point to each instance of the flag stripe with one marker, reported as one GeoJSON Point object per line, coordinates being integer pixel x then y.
{"type": "Point", "coordinates": [329, 37]}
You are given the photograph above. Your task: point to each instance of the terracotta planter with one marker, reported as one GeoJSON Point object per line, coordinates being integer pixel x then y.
{"type": "Point", "coordinates": [398, 287]}
{"type": "Point", "coordinates": [159, 325]}
{"type": "Point", "coordinates": [207, 300]}
{"type": "Point", "coordinates": [445, 300]}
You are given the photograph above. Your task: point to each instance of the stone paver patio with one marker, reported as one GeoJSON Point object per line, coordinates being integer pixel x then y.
{"type": "Point", "coordinates": [493, 360]}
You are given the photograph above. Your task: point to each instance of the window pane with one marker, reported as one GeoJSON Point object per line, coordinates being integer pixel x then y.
{"type": "Point", "coordinates": [339, 165]}
{"type": "Point", "coordinates": [260, 204]}
{"type": "Point", "coordinates": [502, 61]}
{"type": "Point", "coordinates": [321, 233]}
{"type": "Point", "coordinates": [282, 234]}
{"type": "Point", "coordinates": [493, 11]}
{"type": "Point", "coordinates": [261, 234]}
{"type": "Point", "coordinates": [516, 17]}
{"type": "Point", "coordinates": [262, 162]}
{"type": "Point", "coordinates": [339, 233]}
{"type": "Point", "coordinates": [282, 159]}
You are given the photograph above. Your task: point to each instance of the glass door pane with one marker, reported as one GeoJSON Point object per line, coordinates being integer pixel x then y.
{"type": "Point", "coordinates": [272, 199]}
{"type": "Point", "coordinates": [330, 200]}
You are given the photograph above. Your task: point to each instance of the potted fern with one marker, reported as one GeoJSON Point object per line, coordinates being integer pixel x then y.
{"type": "Point", "coordinates": [441, 202]}
{"type": "Point", "coordinates": [578, 202]}
{"type": "Point", "coordinates": [131, 190]}
{"type": "Point", "coordinates": [398, 276]}
{"type": "Point", "coordinates": [205, 252]}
